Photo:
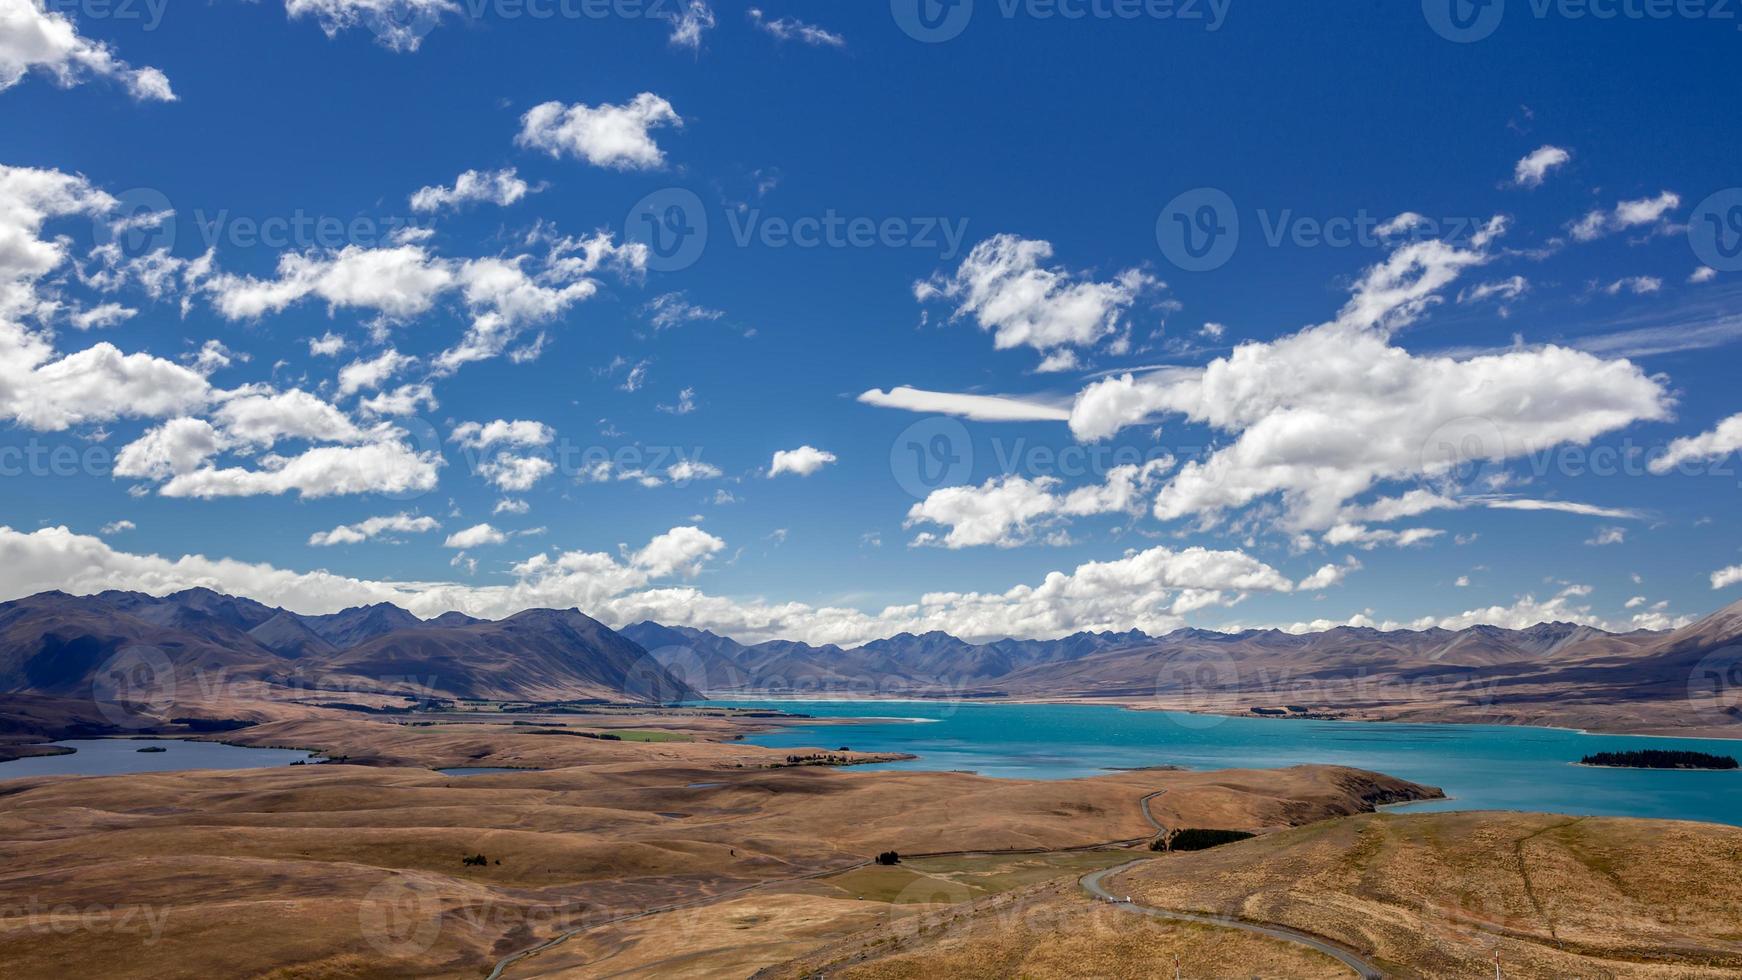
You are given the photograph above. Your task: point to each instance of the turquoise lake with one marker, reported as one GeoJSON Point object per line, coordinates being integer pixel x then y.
{"type": "Point", "coordinates": [1481, 767]}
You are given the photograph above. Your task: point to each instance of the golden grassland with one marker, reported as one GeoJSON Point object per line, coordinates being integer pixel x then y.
{"type": "Point", "coordinates": [1442, 894]}
{"type": "Point", "coordinates": [1049, 931]}
{"type": "Point", "coordinates": [352, 870]}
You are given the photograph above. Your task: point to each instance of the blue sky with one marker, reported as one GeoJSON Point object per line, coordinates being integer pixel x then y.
{"type": "Point", "coordinates": [1440, 310]}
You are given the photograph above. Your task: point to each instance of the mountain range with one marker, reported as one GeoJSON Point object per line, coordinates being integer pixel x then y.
{"type": "Point", "coordinates": [57, 644]}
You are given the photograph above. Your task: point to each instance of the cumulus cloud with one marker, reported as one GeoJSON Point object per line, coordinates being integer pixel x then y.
{"type": "Point", "coordinates": [384, 466]}
{"type": "Point", "coordinates": [1608, 536]}
{"type": "Point", "coordinates": [802, 461]}
{"type": "Point", "coordinates": [361, 375]}
{"type": "Point", "coordinates": [1329, 575]}
{"type": "Point", "coordinates": [400, 523]}
{"type": "Point", "coordinates": [1723, 578]}
{"type": "Point", "coordinates": [475, 536]}
{"type": "Point", "coordinates": [1321, 416]}
{"type": "Point", "coordinates": [397, 281]}
{"type": "Point", "coordinates": [1723, 440]}
{"type": "Point", "coordinates": [1533, 168]}
{"type": "Point", "coordinates": [515, 474]}
{"type": "Point", "coordinates": [1006, 287]}
{"type": "Point", "coordinates": [614, 136]}
{"type": "Point", "coordinates": [1009, 511]}
{"type": "Point", "coordinates": [34, 38]}
{"type": "Point", "coordinates": [502, 432]}
{"type": "Point", "coordinates": [501, 187]}
{"type": "Point", "coordinates": [1627, 214]}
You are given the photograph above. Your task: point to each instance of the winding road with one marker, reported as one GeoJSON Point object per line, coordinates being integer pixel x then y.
{"type": "Point", "coordinates": [1092, 883]}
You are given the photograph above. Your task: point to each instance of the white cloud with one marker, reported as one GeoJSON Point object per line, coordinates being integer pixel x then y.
{"type": "Point", "coordinates": [1329, 575]}
{"type": "Point", "coordinates": [1463, 582]}
{"type": "Point", "coordinates": [177, 446]}
{"type": "Point", "coordinates": [501, 187]}
{"type": "Point", "coordinates": [614, 136]}
{"type": "Point", "coordinates": [1505, 290]}
{"type": "Point", "coordinates": [372, 373]}
{"type": "Point", "coordinates": [688, 25]}
{"type": "Point", "coordinates": [1563, 506]}
{"type": "Point", "coordinates": [686, 470]}
{"type": "Point", "coordinates": [261, 418]}
{"type": "Point", "coordinates": [1723, 578]}
{"type": "Point", "coordinates": [1627, 214]}
{"type": "Point", "coordinates": [510, 505]}
{"type": "Point", "coordinates": [679, 551]}
{"type": "Point", "coordinates": [102, 316]}
{"type": "Point", "coordinates": [386, 466]}
{"type": "Point", "coordinates": [1321, 416]}
{"type": "Point", "coordinates": [475, 536]}
{"type": "Point", "coordinates": [792, 29]}
{"type": "Point", "coordinates": [502, 432]}
{"type": "Point", "coordinates": [1704, 273]}
{"type": "Point", "coordinates": [515, 474]}
{"type": "Point", "coordinates": [398, 25]}
{"type": "Point", "coordinates": [1607, 536]}
{"type": "Point", "coordinates": [32, 37]}
{"type": "Point", "coordinates": [398, 281]}
{"type": "Point", "coordinates": [401, 523]}
{"type": "Point", "coordinates": [671, 309]}
{"type": "Point", "coordinates": [1637, 285]}
{"type": "Point", "coordinates": [328, 344]}
{"type": "Point", "coordinates": [1212, 331]}
{"type": "Point", "coordinates": [1010, 511]}
{"type": "Point", "coordinates": [1006, 287]}
{"type": "Point", "coordinates": [1721, 441]}
{"type": "Point", "coordinates": [803, 461]}
{"type": "Point", "coordinates": [685, 404]}
{"type": "Point", "coordinates": [404, 400]}
{"type": "Point", "coordinates": [1532, 169]}
{"type": "Point", "coordinates": [981, 408]}
{"type": "Point", "coordinates": [1369, 538]}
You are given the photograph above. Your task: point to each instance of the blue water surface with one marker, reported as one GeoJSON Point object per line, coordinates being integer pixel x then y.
{"type": "Point", "coordinates": [1481, 767]}
{"type": "Point", "coordinates": [117, 756]}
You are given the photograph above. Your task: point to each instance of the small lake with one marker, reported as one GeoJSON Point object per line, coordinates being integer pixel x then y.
{"type": "Point", "coordinates": [118, 756]}
{"type": "Point", "coordinates": [1481, 767]}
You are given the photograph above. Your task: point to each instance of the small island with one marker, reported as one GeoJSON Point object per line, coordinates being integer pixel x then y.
{"type": "Point", "coordinates": [1658, 759]}
{"type": "Point", "coordinates": [152, 748]}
